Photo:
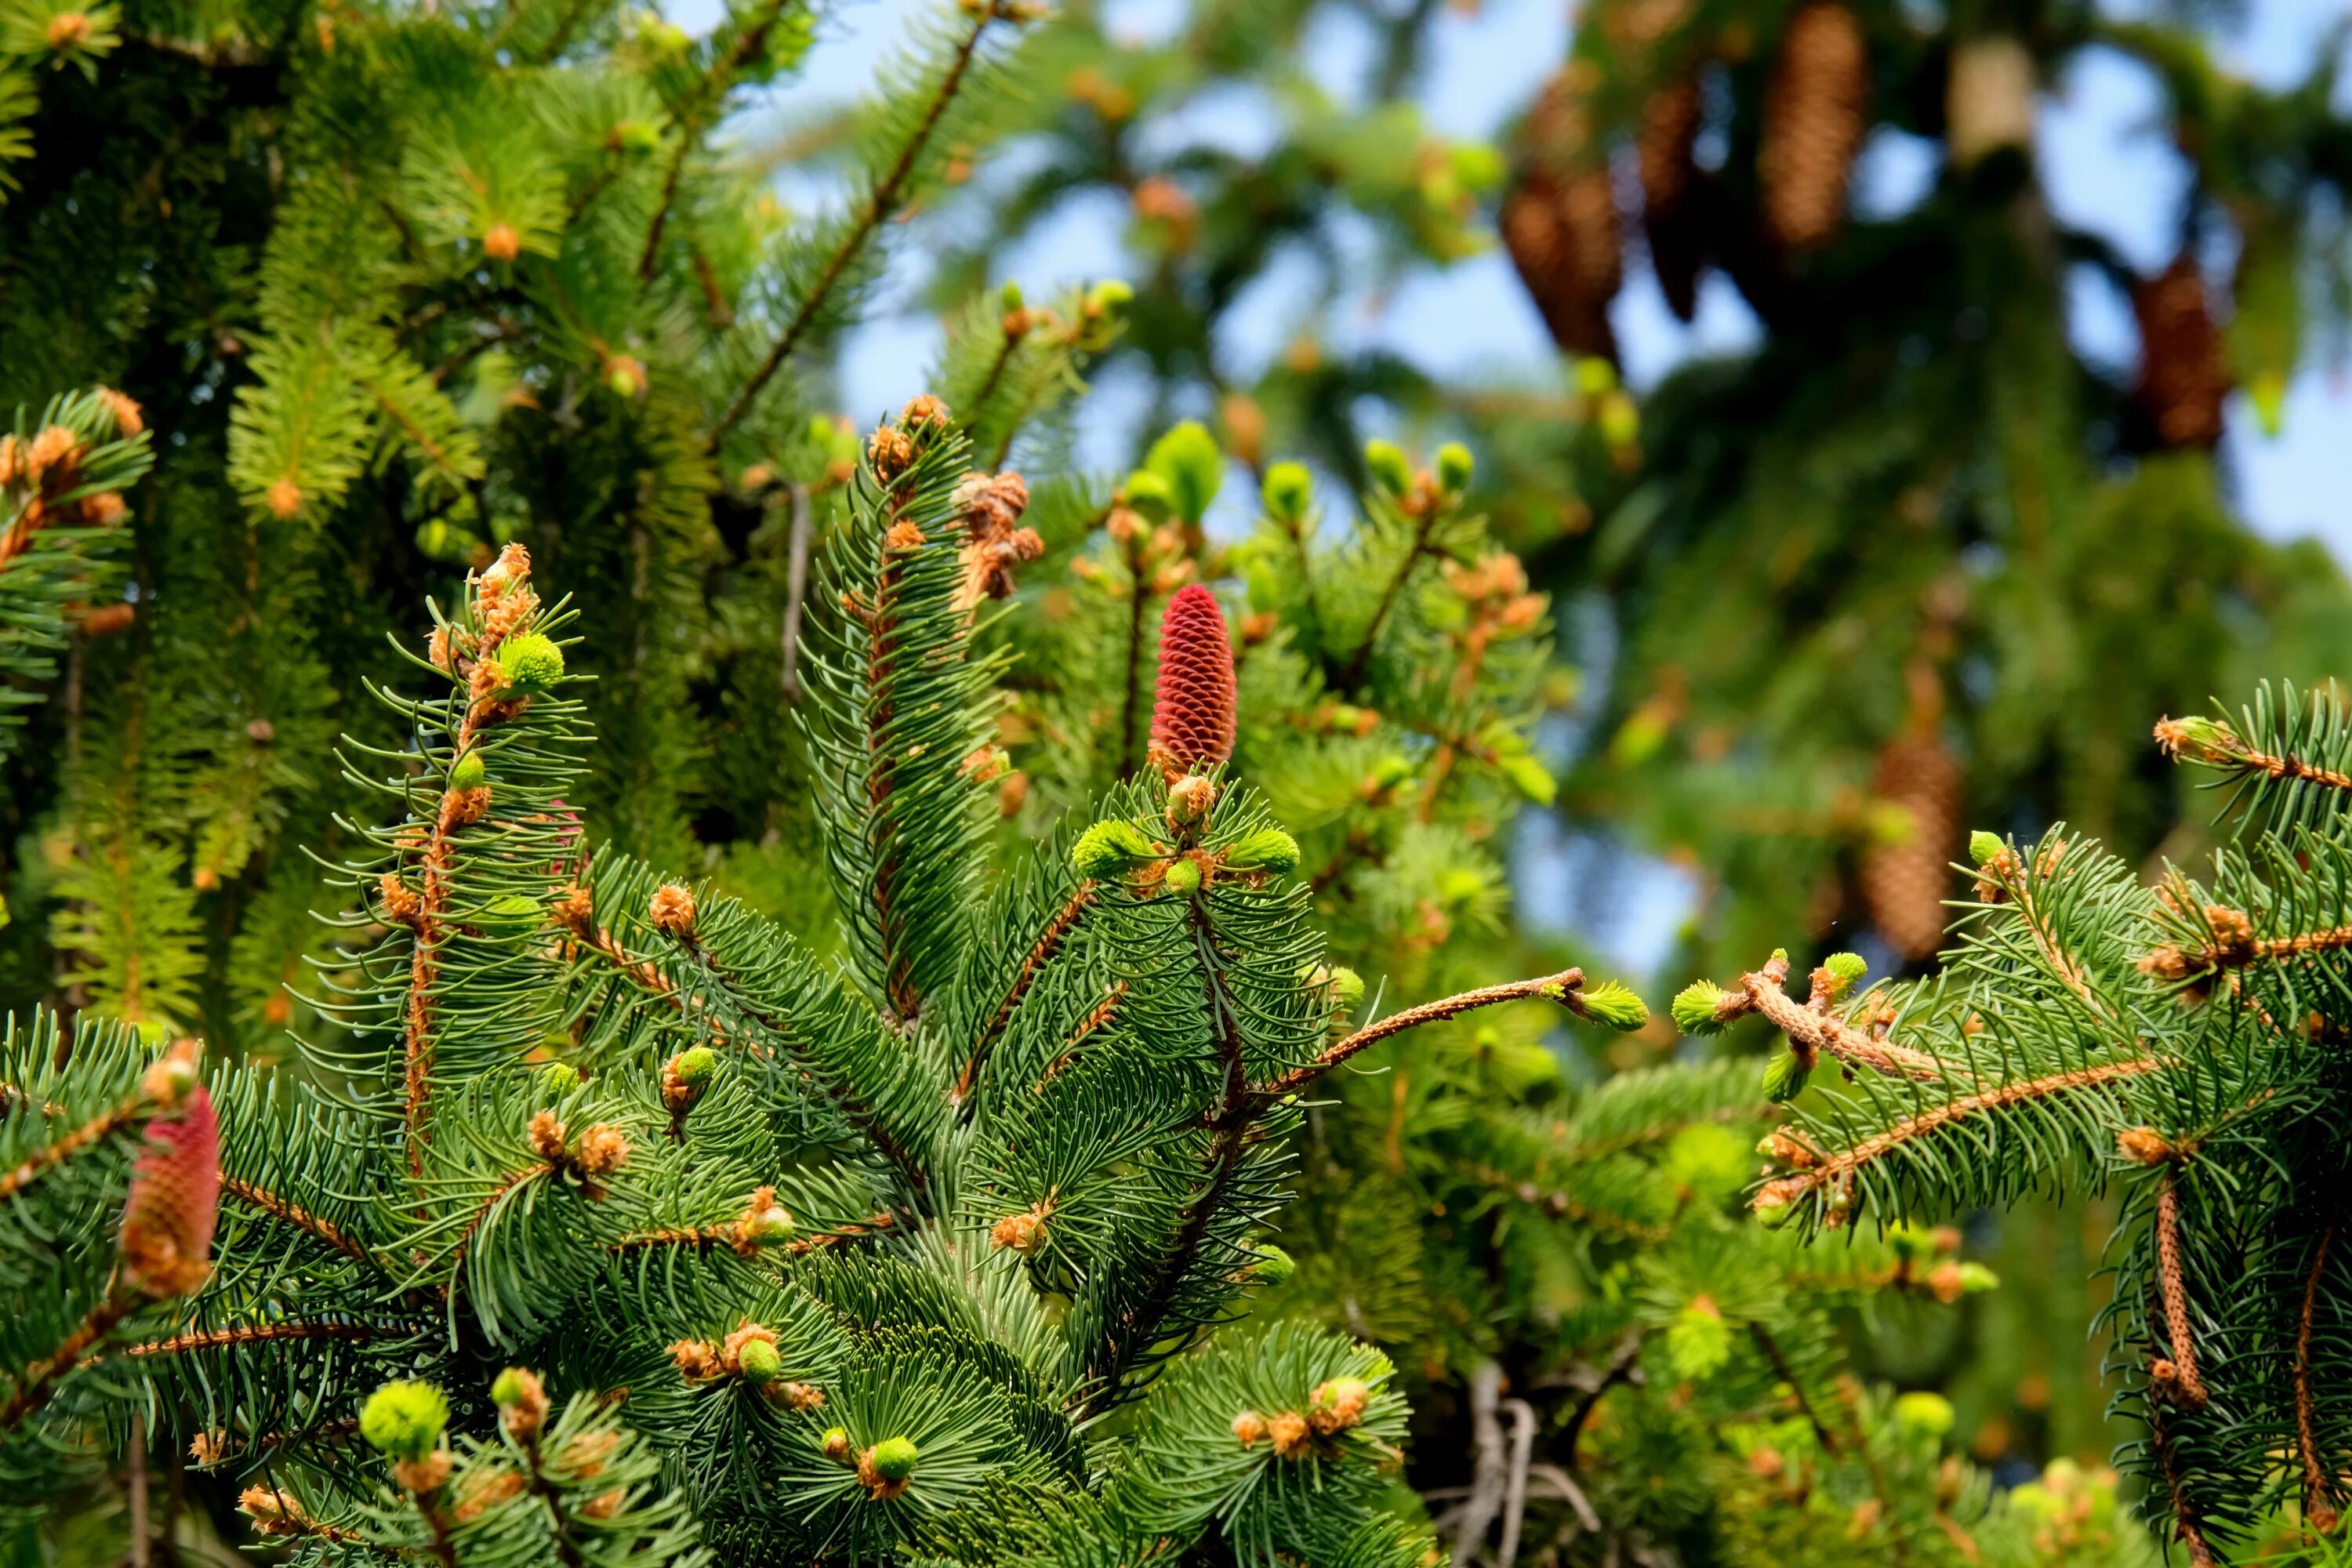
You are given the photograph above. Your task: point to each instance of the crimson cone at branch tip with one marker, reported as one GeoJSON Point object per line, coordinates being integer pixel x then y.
{"type": "Point", "coordinates": [175, 1199]}
{"type": "Point", "coordinates": [1193, 706]}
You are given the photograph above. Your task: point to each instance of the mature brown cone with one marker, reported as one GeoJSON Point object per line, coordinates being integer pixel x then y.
{"type": "Point", "coordinates": [1559, 223]}
{"type": "Point", "coordinates": [1670, 123]}
{"type": "Point", "coordinates": [1814, 118]}
{"type": "Point", "coordinates": [2184, 370]}
{"type": "Point", "coordinates": [1903, 881]}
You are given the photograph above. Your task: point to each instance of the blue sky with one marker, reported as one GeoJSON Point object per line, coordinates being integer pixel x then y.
{"type": "Point", "coordinates": [2105, 163]}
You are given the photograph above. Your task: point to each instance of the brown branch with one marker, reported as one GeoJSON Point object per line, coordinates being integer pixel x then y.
{"type": "Point", "coordinates": [2219, 745]}
{"type": "Point", "coordinates": [2318, 1503]}
{"type": "Point", "coordinates": [96, 1130]}
{"type": "Point", "coordinates": [1788, 1374]}
{"type": "Point", "coordinates": [2185, 1381]}
{"type": "Point", "coordinates": [840, 1235]}
{"type": "Point", "coordinates": [1101, 1014]}
{"type": "Point", "coordinates": [1352, 673]}
{"type": "Point", "coordinates": [2184, 1512]}
{"type": "Point", "coordinates": [1049, 942]}
{"type": "Point", "coordinates": [1624, 1369]}
{"type": "Point", "coordinates": [1231, 1124]}
{"type": "Point", "coordinates": [1559, 987]}
{"type": "Point", "coordinates": [38, 1382]}
{"type": "Point", "coordinates": [295, 1216]}
{"type": "Point", "coordinates": [711, 90]}
{"type": "Point", "coordinates": [1818, 1031]}
{"type": "Point", "coordinates": [1132, 705]}
{"type": "Point", "coordinates": [1837, 1166]}
{"type": "Point", "coordinates": [885, 201]}
{"type": "Point", "coordinates": [246, 1334]}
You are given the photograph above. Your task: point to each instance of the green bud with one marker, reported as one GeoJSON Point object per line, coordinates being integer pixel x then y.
{"type": "Point", "coordinates": [1386, 462]}
{"type": "Point", "coordinates": [558, 1078]}
{"type": "Point", "coordinates": [637, 136]}
{"type": "Point", "coordinates": [404, 1419]}
{"type": "Point", "coordinates": [1785, 1076]}
{"type": "Point", "coordinates": [1620, 420]}
{"type": "Point", "coordinates": [1267, 849]}
{"type": "Point", "coordinates": [759, 1361]}
{"type": "Point", "coordinates": [530, 662]}
{"type": "Point", "coordinates": [1290, 492]}
{"type": "Point", "coordinates": [1694, 1008]}
{"type": "Point", "coordinates": [509, 1388]}
{"type": "Point", "coordinates": [1009, 297]}
{"type": "Point", "coordinates": [894, 1458]}
{"type": "Point", "coordinates": [1391, 771]}
{"type": "Point", "coordinates": [1188, 458]}
{"type": "Point", "coordinates": [1594, 376]}
{"type": "Point", "coordinates": [1845, 969]}
{"type": "Point", "coordinates": [1983, 845]}
{"type": "Point", "coordinates": [510, 914]}
{"type": "Point", "coordinates": [1110, 848]}
{"type": "Point", "coordinates": [1184, 877]}
{"type": "Point", "coordinates": [468, 771]}
{"type": "Point", "coordinates": [695, 1065]}
{"type": "Point", "coordinates": [1454, 465]}
{"type": "Point", "coordinates": [1612, 1006]}
{"type": "Point", "coordinates": [1342, 984]}
{"type": "Point", "coordinates": [1772, 1216]}
{"type": "Point", "coordinates": [1975, 1279]}
{"type": "Point", "coordinates": [1271, 1264]}
{"type": "Point", "coordinates": [1925, 1413]}
{"type": "Point", "coordinates": [1110, 294]}
{"type": "Point", "coordinates": [1150, 494]}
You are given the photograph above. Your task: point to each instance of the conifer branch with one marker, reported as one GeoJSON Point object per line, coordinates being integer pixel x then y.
{"type": "Point", "coordinates": [37, 1383]}
{"type": "Point", "coordinates": [2318, 1494]}
{"type": "Point", "coordinates": [1563, 988]}
{"type": "Point", "coordinates": [1041, 953]}
{"type": "Point", "coordinates": [853, 1109]}
{"type": "Point", "coordinates": [2174, 1286]}
{"type": "Point", "coordinates": [1130, 708]}
{"type": "Point", "coordinates": [1815, 1030]}
{"type": "Point", "coordinates": [1838, 1166]}
{"type": "Point", "coordinates": [2203, 741]}
{"type": "Point", "coordinates": [301, 1219]}
{"type": "Point", "coordinates": [95, 1131]}
{"type": "Point", "coordinates": [247, 1334]}
{"type": "Point", "coordinates": [1097, 1018]}
{"type": "Point", "coordinates": [1230, 1125]}
{"type": "Point", "coordinates": [2185, 1516]}
{"type": "Point", "coordinates": [710, 90]}
{"type": "Point", "coordinates": [884, 201]}
{"type": "Point", "coordinates": [1351, 674]}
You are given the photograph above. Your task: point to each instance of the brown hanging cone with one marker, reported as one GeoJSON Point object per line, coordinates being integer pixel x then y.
{"type": "Point", "coordinates": [1814, 117]}
{"type": "Point", "coordinates": [1670, 122]}
{"type": "Point", "coordinates": [1904, 882]}
{"type": "Point", "coordinates": [2184, 371]}
{"type": "Point", "coordinates": [1559, 223]}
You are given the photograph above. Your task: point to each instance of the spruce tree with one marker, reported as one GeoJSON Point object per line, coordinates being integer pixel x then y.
{"type": "Point", "coordinates": [617, 1220]}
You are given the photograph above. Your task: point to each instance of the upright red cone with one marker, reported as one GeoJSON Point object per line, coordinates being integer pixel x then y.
{"type": "Point", "coordinates": [167, 1220]}
{"type": "Point", "coordinates": [1192, 708]}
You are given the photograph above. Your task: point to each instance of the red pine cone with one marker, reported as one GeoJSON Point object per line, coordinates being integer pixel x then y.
{"type": "Point", "coordinates": [1193, 707]}
{"type": "Point", "coordinates": [167, 1220]}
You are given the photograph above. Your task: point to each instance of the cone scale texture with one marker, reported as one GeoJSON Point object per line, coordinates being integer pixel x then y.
{"type": "Point", "coordinates": [1193, 706]}
{"type": "Point", "coordinates": [174, 1198]}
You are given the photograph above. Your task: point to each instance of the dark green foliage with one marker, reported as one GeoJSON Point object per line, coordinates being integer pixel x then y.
{"type": "Point", "coordinates": [2177, 1040]}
